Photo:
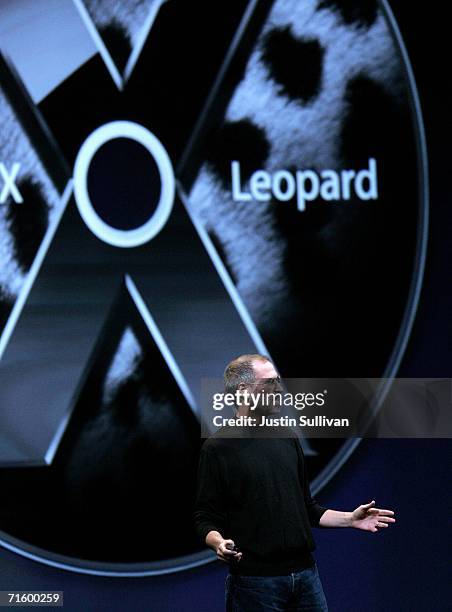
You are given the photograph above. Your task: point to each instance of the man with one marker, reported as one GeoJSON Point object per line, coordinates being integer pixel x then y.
{"type": "Point", "coordinates": [254, 506]}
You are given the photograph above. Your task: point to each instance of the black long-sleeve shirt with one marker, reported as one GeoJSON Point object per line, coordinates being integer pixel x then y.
{"type": "Point", "coordinates": [256, 492]}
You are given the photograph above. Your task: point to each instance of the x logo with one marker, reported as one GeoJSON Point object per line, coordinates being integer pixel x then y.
{"type": "Point", "coordinates": [87, 262]}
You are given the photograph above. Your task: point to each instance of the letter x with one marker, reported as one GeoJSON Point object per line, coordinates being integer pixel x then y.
{"type": "Point", "coordinates": [9, 185]}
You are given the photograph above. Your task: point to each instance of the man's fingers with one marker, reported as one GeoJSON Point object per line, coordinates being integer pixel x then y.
{"type": "Point", "coordinates": [227, 558]}
{"type": "Point", "coordinates": [379, 524]}
{"type": "Point", "coordinates": [229, 553]}
{"type": "Point", "coordinates": [386, 519]}
{"type": "Point", "coordinates": [368, 505]}
{"type": "Point", "coordinates": [380, 512]}
{"type": "Point", "coordinates": [226, 550]}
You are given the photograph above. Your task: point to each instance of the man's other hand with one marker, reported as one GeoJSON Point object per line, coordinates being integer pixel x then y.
{"type": "Point", "coordinates": [224, 552]}
{"type": "Point", "coordinates": [372, 519]}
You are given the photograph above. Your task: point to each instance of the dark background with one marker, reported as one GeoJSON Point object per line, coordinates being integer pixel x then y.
{"type": "Point", "coordinates": [403, 568]}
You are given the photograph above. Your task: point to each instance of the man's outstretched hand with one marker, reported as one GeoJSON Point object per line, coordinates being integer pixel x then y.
{"type": "Point", "coordinates": [369, 518]}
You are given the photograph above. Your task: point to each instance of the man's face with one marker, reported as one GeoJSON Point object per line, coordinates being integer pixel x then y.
{"type": "Point", "coordinates": [267, 381]}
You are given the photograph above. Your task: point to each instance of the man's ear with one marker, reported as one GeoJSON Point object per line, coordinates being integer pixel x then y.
{"type": "Point", "coordinates": [240, 390]}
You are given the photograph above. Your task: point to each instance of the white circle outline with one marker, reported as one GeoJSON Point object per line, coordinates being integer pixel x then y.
{"type": "Point", "coordinates": [106, 233]}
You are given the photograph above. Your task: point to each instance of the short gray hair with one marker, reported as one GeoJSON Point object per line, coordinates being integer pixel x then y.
{"type": "Point", "coordinates": [240, 370]}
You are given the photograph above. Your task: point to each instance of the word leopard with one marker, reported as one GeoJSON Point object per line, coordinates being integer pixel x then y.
{"type": "Point", "coordinates": [307, 185]}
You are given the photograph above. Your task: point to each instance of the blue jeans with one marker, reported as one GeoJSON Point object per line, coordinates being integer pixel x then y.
{"type": "Point", "coordinates": [295, 592]}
